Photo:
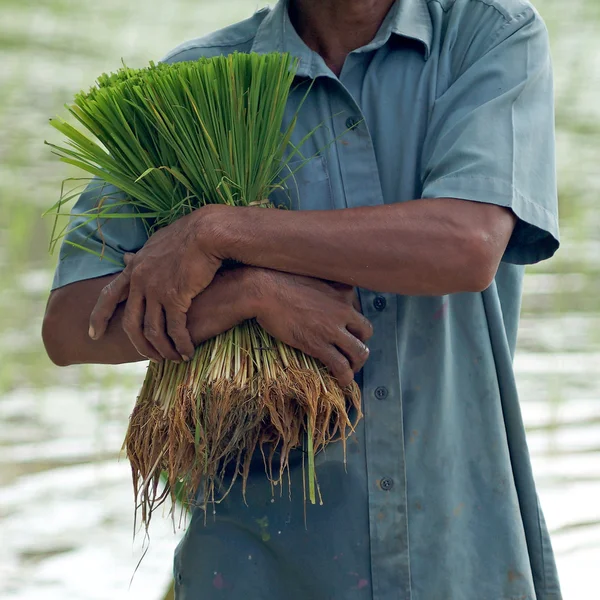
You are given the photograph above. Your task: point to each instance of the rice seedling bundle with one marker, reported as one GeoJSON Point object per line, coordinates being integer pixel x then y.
{"type": "Point", "coordinates": [174, 138]}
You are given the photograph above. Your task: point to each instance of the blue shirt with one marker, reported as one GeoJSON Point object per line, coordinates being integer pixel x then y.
{"type": "Point", "coordinates": [452, 98]}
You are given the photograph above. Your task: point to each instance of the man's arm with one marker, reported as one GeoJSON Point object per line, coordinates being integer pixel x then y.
{"type": "Point", "coordinates": [317, 317]}
{"type": "Point", "coordinates": [419, 248]}
{"type": "Point", "coordinates": [423, 247]}
{"type": "Point", "coordinates": [66, 323]}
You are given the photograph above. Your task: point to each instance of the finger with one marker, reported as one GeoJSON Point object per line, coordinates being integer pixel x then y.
{"type": "Point", "coordinates": [128, 257]}
{"type": "Point", "coordinates": [360, 327]}
{"type": "Point", "coordinates": [356, 302]}
{"type": "Point", "coordinates": [353, 349]}
{"type": "Point", "coordinates": [337, 364]}
{"type": "Point", "coordinates": [110, 297]}
{"type": "Point", "coordinates": [133, 319]}
{"type": "Point", "coordinates": [179, 334]}
{"type": "Point", "coordinates": [155, 331]}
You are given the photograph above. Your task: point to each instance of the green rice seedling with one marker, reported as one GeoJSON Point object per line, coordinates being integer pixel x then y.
{"type": "Point", "coordinates": [174, 138]}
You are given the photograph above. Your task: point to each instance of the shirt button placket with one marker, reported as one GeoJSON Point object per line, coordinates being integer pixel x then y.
{"type": "Point", "coordinates": [385, 453]}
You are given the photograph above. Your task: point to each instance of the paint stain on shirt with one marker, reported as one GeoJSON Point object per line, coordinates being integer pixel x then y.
{"type": "Point", "coordinates": [263, 524]}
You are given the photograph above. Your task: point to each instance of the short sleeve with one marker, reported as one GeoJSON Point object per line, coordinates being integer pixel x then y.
{"type": "Point", "coordinates": [491, 133]}
{"type": "Point", "coordinates": [110, 238]}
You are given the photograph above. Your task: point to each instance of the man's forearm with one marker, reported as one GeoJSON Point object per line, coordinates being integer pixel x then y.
{"type": "Point", "coordinates": [333, 330]}
{"type": "Point", "coordinates": [424, 247]}
{"type": "Point", "coordinates": [66, 323]}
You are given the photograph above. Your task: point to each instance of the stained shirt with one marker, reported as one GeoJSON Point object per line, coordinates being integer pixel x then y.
{"type": "Point", "coordinates": [452, 98]}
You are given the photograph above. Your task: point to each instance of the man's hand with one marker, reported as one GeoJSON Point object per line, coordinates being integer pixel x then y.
{"type": "Point", "coordinates": [320, 318]}
{"type": "Point", "coordinates": [315, 316]}
{"type": "Point", "coordinates": [159, 284]}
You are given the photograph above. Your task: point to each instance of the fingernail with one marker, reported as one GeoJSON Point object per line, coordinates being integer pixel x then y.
{"type": "Point", "coordinates": [92, 332]}
{"type": "Point", "coordinates": [186, 358]}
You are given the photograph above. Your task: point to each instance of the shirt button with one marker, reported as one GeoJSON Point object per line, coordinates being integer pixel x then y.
{"type": "Point", "coordinates": [379, 303]}
{"type": "Point", "coordinates": [387, 483]}
{"type": "Point", "coordinates": [352, 122]}
{"type": "Point", "coordinates": [381, 393]}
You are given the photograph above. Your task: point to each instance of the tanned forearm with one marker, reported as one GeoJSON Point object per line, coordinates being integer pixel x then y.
{"type": "Point", "coordinates": [66, 324]}
{"type": "Point", "coordinates": [65, 331]}
{"type": "Point", "coordinates": [423, 247]}
{"type": "Point", "coordinates": [317, 317]}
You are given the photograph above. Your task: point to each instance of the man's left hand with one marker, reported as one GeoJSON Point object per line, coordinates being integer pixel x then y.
{"type": "Point", "coordinates": [159, 284]}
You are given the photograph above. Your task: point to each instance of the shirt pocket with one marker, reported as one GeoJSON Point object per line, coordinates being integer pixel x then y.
{"type": "Point", "coordinates": [305, 186]}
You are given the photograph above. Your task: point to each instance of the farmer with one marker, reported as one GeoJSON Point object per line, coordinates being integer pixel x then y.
{"type": "Point", "coordinates": [434, 184]}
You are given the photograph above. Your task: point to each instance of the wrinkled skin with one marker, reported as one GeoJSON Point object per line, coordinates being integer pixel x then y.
{"type": "Point", "coordinates": [159, 284]}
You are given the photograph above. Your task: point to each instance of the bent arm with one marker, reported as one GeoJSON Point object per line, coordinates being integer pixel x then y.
{"type": "Point", "coordinates": [423, 247]}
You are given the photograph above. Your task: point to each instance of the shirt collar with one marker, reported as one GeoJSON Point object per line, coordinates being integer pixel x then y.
{"type": "Point", "coordinates": [412, 20]}
{"type": "Point", "coordinates": [407, 18]}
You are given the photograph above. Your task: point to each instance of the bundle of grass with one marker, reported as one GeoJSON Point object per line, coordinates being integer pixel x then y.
{"type": "Point", "coordinates": [174, 138]}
